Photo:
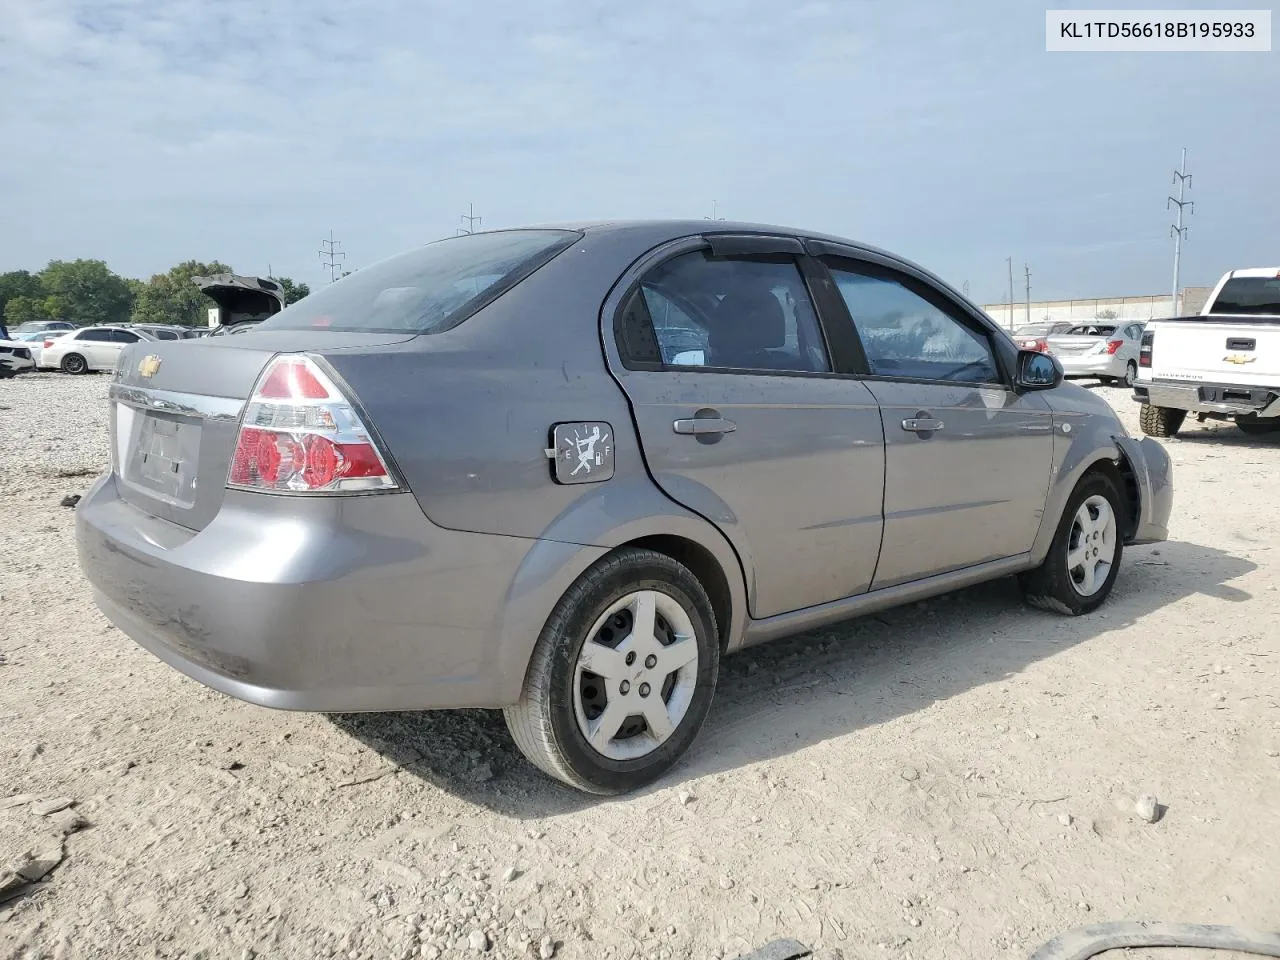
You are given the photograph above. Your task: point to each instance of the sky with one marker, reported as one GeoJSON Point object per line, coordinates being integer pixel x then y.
{"type": "Point", "coordinates": [148, 132]}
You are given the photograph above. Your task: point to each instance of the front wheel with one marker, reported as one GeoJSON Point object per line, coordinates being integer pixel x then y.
{"type": "Point", "coordinates": [74, 363]}
{"type": "Point", "coordinates": [1081, 567]}
{"type": "Point", "coordinates": [622, 675]}
{"type": "Point", "coordinates": [1160, 421]}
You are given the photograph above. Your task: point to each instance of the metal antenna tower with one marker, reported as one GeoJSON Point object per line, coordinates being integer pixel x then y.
{"type": "Point", "coordinates": [1177, 230]}
{"type": "Point", "coordinates": [1027, 270]}
{"type": "Point", "coordinates": [471, 219]}
{"type": "Point", "coordinates": [331, 256]}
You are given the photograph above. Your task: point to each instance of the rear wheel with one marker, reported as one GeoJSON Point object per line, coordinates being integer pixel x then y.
{"type": "Point", "coordinates": [74, 363]}
{"type": "Point", "coordinates": [1130, 373]}
{"type": "Point", "coordinates": [1160, 421]}
{"type": "Point", "coordinates": [1081, 567]}
{"type": "Point", "coordinates": [622, 676]}
{"type": "Point", "coordinates": [1255, 427]}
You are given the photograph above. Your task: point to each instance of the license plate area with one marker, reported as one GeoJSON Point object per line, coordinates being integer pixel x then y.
{"type": "Point", "coordinates": [164, 456]}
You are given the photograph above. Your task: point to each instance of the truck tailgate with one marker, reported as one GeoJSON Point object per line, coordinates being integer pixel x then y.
{"type": "Point", "coordinates": [1243, 350]}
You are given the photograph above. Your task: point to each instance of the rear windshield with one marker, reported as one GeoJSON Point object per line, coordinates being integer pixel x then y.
{"type": "Point", "coordinates": [1091, 330]}
{"type": "Point", "coordinates": [426, 290]}
{"type": "Point", "coordinates": [1249, 295]}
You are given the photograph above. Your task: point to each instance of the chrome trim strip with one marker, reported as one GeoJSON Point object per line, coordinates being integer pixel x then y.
{"type": "Point", "coordinates": [183, 404]}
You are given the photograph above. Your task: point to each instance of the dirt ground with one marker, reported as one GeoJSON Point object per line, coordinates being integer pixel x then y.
{"type": "Point", "coordinates": [955, 779]}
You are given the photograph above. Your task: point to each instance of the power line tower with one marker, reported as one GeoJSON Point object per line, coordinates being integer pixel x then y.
{"type": "Point", "coordinates": [1178, 231]}
{"type": "Point", "coordinates": [1027, 270]}
{"type": "Point", "coordinates": [713, 212]}
{"type": "Point", "coordinates": [332, 257]}
{"type": "Point", "coordinates": [471, 220]}
{"type": "Point", "coordinates": [1009, 260]}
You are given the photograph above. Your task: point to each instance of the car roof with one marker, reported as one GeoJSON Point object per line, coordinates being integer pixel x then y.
{"type": "Point", "coordinates": [651, 233]}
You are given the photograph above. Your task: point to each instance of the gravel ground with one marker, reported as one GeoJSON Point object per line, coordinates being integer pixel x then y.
{"type": "Point", "coordinates": [956, 779]}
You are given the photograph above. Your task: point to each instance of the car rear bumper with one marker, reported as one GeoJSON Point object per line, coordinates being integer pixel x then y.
{"type": "Point", "coordinates": [1153, 474]}
{"type": "Point", "coordinates": [1092, 365]}
{"type": "Point", "coordinates": [1227, 398]}
{"type": "Point", "coordinates": [327, 604]}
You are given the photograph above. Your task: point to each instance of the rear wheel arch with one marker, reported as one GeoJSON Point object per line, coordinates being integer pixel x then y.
{"type": "Point", "coordinates": [703, 564]}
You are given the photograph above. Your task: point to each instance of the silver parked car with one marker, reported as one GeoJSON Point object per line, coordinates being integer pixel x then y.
{"type": "Point", "coordinates": [562, 471]}
{"type": "Point", "coordinates": [1108, 351]}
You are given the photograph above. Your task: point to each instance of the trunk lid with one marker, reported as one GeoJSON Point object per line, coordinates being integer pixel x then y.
{"type": "Point", "coordinates": [1242, 350]}
{"type": "Point", "coordinates": [175, 413]}
{"type": "Point", "coordinates": [241, 299]}
{"type": "Point", "coordinates": [1074, 345]}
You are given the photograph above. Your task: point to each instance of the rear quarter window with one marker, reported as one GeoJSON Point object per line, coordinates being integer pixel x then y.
{"type": "Point", "coordinates": [427, 290]}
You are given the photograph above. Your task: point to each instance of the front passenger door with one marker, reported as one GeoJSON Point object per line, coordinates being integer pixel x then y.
{"type": "Point", "coordinates": [119, 340]}
{"type": "Point", "coordinates": [967, 459]}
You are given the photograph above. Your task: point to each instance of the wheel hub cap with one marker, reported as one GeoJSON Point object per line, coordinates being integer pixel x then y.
{"type": "Point", "coordinates": [635, 676]}
{"type": "Point", "coordinates": [1091, 548]}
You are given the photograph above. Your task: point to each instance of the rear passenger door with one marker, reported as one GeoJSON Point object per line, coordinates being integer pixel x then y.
{"type": "Point", "coordinates": [742, 420]}
{"type": "Point", "coordinates": [95, 346]}
{"type": "Point", "coordinates": [119, 340]}
{"type": "Point", "coordinates": [967, 458]}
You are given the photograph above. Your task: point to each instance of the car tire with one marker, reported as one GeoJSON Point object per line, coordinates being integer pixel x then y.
{"type": "Point", "coordinates": [1256, 428]}
{"type": "Point", "coordinates": [1130, 373]}
{"type": "Point", "coordinates": [1160, 421]}
{"type": "Point", "coordinates": [74, 363]}
{"type": "Point", "coordinates": [1107, 381]}
{"type": "Point", "coordinates": [1082, 563]}
{"type": "Point", "coordinates": [562, 701]}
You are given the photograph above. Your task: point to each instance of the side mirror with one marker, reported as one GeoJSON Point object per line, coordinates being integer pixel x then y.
{"type": "Point", "coordinates": [1038, 371]}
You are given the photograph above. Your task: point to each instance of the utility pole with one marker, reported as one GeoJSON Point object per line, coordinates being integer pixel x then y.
{"type": "Point", "coordinates": [1009, 260]}
{"type": "Point", "coordinates": [331, 256]}
{"type": "Point", "coordinates": [471, 219]}
{"type": "Point", "coordinates": [1027, 270]}
{"type": "Point", "coordinates": [713, 212]}
{"type": "Point", "coordinates": [964, 288]}
{"type": "Point", "coordinates": [1183, 180]}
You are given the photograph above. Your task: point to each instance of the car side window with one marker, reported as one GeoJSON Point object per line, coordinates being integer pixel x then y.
{"type": "Point", "coordinates": [905, 335]}
{"type": "Point", "coordinates": [739, 313]}
{"type": "Point", "coordinates": [98, 336]}
{"type": "Point", "coordinates": [124, 336]}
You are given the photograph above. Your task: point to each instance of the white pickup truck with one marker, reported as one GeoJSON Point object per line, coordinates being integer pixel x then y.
{"type": "Point", "coordinates": [1222, 364]}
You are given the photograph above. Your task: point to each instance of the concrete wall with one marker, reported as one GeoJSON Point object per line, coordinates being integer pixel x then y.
{"type": "Point", "coordinates": [1082, 311]}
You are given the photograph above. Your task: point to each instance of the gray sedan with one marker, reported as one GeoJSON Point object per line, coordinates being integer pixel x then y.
{"type": "Point", "coordinates": [563, 471]}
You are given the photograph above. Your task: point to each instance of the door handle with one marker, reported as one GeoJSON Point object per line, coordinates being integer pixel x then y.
{"type": "Point", "coordinates": [922, 424]}
{"type": "Point", "coordinates": [704, 425]}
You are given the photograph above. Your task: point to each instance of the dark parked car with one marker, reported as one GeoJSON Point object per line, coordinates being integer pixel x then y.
{"type": "Point", "coordinates": [562, 471]}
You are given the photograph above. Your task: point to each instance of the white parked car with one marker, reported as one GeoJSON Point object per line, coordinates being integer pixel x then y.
{"type": "Point", "coordinates": [35, 343]}
{"type": "Point", "coordinates": [15, 357]}
{"type": "Point", "coordinates": [89, 348]}
{"type": "Point", "coordinates": [1106, 350]}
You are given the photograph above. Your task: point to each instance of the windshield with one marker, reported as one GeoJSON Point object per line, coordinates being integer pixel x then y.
{"type": "Point", "coordinates": [426, 290]}
{"type": "Point", "coordinates": [1259, 295]}
{"type": "Point", "coordinates": [1091, 330]}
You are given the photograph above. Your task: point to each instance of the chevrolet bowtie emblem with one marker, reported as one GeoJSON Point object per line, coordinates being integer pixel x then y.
{"type": "Point", "coordinates": [149, 365]}
{"type": "Point", "coordinates": [1239, 358]}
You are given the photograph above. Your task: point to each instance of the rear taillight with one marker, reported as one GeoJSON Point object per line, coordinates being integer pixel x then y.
{"type": "Point", "coordinates": [300, 435]}
{"type": "Point", "coordinates": [1147, 348]}
{"type": "Point", "coordinates": [47, 343]}
{"type": "Point", "coordinates": [1114, 345]}
{"type": "Point", "coordinates": [1034, 343]}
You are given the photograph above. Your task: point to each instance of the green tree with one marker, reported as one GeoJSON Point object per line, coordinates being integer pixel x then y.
{"type": "Point", "coordinates": [172, 297]}
{"type": "Point", "coordinates": [21, 309]}
{"type": "Point", "coordinates": [293, 292]}
{"type": "Point", "coordinates": [18, 283]}
{"type": "Point", "coordinates": [86, 291]}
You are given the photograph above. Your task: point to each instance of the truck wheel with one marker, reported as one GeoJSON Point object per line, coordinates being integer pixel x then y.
{"type": "Point", "coordinates": [1255, 427]}
{"type": "Point", "coordinates": [1160, 421]}
{"type": "Point", "coordinates": [621, 677]}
